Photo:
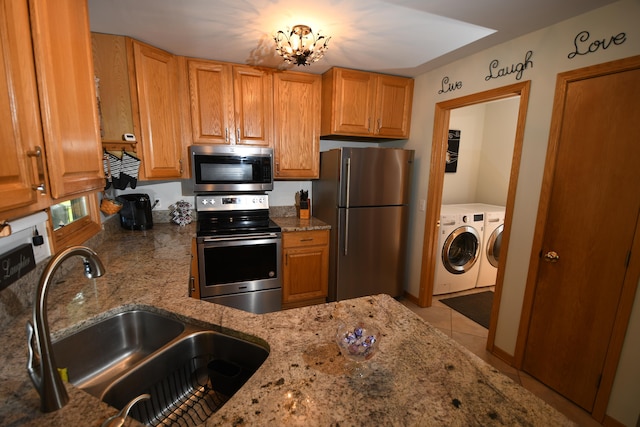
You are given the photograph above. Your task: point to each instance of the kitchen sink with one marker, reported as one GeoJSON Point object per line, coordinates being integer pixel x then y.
{"type": "Point", "coordinates": [190, 371]}
{"type": "Point", "coordinates": [188, 380]}
{"type": "Point", "coordinates": [96, 355]}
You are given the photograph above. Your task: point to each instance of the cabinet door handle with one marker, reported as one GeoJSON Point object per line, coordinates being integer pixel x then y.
{"type": "Point", "coordinates": [37, 153]}
{"type": "Point", "coordinates": [369, 124]}
{"type": "Point", "coordinates": [307, 240]}
{"type": "Point", "coordinates": [181, 168]}
{"type": "Point", "coordinates": [226, 134]}
{"type": "Point", "coordinates": [379, 125]}
{"type": "Point", "coordinates": [238, 136]}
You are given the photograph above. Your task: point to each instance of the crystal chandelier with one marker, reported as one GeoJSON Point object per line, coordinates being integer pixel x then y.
{"type": "Point", "coordinates": [301, 46]}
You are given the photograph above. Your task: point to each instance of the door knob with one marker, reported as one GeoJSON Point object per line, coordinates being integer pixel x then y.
{"type": "Point", "coordinates": [551, 256]}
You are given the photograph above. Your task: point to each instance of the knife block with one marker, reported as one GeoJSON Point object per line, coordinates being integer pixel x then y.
{"type": "Point", "coordinates": [304, 212]}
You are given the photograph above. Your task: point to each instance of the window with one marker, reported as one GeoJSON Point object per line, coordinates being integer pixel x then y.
{"type": "Point", "coordinates": [67, 212]}
{"type": "Point", "coordinates": [74, 221]}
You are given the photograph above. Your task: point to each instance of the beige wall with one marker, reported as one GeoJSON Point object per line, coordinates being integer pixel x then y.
{"type": "Point", "coordinates": [551, 47]}
{"type": "Point", "coordinates": [486, 149]}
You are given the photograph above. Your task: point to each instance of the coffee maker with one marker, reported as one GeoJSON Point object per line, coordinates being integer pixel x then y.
{"type": "Point", "coordinates": [136, 211]}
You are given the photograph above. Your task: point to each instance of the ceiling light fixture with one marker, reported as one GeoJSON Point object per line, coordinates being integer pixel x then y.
{"type": "Point", "coordinates": [301, 46]}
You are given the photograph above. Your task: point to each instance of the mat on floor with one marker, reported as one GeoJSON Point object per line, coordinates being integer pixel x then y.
{"type": "Point", "coordinates": [476, 307]}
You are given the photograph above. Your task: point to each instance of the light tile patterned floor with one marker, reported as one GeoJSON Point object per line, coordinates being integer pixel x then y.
{"type": "Point", "coordinates": [474, 337]}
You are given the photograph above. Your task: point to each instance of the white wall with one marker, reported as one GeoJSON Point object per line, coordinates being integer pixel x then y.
{"type": "Point", "coordinates": [500, 122]}
{"type": "Point", "coordinates": [460, 186]}
{"type": "Point", "coordinates": [551, 47]}
{"type": "Point", "coordinates": [486, 149]}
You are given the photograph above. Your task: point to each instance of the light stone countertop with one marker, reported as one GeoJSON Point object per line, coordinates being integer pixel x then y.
{"type": "Point", "coordinates": [293, 223]}
{"type": "Point", "coordinates": [419, 377]}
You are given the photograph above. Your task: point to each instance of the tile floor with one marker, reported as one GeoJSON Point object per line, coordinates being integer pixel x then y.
{"type": "Point", "coordinates": [474, 337]}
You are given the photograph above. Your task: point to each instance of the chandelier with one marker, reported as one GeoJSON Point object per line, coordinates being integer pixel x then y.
{"type": "Point", "coordinates": [301, 46]}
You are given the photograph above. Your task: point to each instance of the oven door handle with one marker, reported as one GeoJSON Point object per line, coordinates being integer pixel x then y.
{"type": "Point", "coordinates": [243, 237]}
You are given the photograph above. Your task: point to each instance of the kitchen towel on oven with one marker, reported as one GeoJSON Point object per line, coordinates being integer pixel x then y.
{"type": "Point", "coordinates": [129, 171]}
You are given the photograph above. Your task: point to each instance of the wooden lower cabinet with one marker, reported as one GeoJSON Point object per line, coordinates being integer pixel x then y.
{"type": "Point", "coordinates": [305, 260]}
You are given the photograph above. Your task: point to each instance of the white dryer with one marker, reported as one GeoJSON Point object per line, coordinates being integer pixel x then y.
{"type": "Point", "coordinates": [491, 245]}
{"type": "Point", "coordinates": [459, 243]}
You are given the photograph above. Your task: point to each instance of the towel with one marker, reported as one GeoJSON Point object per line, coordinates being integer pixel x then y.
{"type": "Point", "coordinates": [113, 166]}
{"type": "Point", "coordinates": [129, 171]}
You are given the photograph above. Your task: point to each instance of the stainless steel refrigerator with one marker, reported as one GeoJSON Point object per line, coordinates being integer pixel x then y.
{"type": "Point", "coordinates": [363, 193]}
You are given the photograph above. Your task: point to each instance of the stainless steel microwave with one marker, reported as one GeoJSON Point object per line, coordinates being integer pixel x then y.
{"type": "Point", "coordinates": [231, 168]}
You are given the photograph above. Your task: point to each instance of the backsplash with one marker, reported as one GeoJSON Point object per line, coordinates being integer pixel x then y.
{"type": "Point", "coordinates": [19, 296]}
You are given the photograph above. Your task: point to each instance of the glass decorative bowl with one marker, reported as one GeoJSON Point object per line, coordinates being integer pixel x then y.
{"type": "Point", "coordinates": [358, 342]}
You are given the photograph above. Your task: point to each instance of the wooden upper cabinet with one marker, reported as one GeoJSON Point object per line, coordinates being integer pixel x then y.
{"type": "Point", "coordinates": [112, 69]}
{"type": "Point", "coordinates": [297, 125]}
{"type": "Point", "coordinates": [348, 97]}
{"type": "Point", "coordinates": [230, 104]}
{"type": "Point", "coordinates": [158, 98]}
{"type": "Point", "coordinates": [394, 99]}
{"type": "Point", "coordinates": [20, 132]}
{"type": "Point", "coordinates": [362, 104]}
{"type": "Point", "coordinates": [211, 102]}
{"type": "Point", "coordinates": [253, 101]}
{"type": "Point", "coordinates": [66, 87]}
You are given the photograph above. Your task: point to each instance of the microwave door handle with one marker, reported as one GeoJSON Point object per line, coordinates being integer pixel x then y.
{"type": "Point", "coordinates": [346, 213]}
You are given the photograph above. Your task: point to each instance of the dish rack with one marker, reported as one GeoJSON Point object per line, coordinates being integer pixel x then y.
{"type": "Point", "coordinates": [184, 398]}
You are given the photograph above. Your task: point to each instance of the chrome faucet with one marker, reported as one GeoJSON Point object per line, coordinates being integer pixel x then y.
{"type": "Point", "coordinates": [43, 370]}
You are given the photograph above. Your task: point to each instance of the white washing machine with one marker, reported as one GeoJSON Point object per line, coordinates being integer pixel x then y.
{"type": "Point", "coordinates": [491, 241]}
{"type": "Point", "coordinates": [459, 243]}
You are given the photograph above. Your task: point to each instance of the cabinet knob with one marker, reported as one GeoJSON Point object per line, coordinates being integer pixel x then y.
{"type": "Point", "coordinates": [551, 256]}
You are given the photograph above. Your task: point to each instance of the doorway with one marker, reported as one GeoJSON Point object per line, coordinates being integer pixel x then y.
{"type": "Point", "coordinates": [582, 278]}
{"type": "Point", "coordinates": [430, 248]}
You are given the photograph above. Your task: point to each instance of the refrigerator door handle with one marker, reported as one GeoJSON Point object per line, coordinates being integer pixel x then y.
{"type": "Point", "coordinates": [348, 181]}
{"type": "Point", "coordinates": [346, 214]}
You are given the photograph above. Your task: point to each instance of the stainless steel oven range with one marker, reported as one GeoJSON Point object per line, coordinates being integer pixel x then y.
{"type": "Point", "coordinates": [239, 252]}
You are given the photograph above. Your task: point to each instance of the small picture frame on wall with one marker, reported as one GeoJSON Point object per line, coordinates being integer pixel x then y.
{"type": "Point", "coordinates": [453, 147]}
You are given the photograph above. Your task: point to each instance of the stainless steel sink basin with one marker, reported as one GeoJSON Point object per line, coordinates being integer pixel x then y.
{"type": "Point", "coordinates": [189, 370]}
{"type": "Point", "coordinates": [188, 380]}
{"type": "Point", "coordinates": [95, 356]}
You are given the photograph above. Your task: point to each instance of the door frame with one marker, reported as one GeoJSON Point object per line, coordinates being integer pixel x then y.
{"type": "Point", "coordinates": [633, 272]}
{"type": "Point", "coordinates": [436, 182]}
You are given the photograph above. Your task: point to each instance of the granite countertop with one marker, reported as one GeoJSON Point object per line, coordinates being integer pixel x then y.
{"type": "Point", "coordinates": [293, 223]}
{"type": "Point", "coordinates": [419, 377]}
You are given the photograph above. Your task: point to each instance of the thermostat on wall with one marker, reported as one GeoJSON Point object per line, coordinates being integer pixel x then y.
{"type": "Point", "coordinates": [128, 137]}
